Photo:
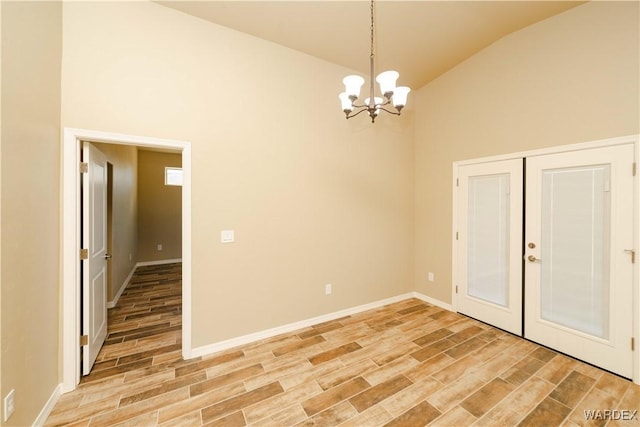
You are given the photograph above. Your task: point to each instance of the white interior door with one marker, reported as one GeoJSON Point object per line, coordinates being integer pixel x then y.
{"type": "Point", "coordinates": [94, 268]}
{"type": "Point", "coordinates": [578, 270]}
{"type": "Point", "coordinates": [490, 243]}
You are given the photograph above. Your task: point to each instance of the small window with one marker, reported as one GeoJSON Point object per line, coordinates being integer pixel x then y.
{"type": "Point", "coordinates": [173, 176]}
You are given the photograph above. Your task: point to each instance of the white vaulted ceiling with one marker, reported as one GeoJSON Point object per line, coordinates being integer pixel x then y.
{"type": "Point", "coordinates": [419, 39]}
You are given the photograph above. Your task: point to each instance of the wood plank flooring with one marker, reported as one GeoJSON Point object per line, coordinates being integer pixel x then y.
{"type": "Point", "coordinates": [405, 364]}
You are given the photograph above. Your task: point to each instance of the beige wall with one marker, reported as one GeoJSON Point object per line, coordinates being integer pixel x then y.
{"type": "Point", "coordinates": [571, 78]}
{"type": "Point", "coordinates": [125, 213]}
{"type": "Point", "coordinates": [160, 208]}
{"type": "Point", "coordinates": [313, 198]}
{"type": "Point", "coordinates": [31, 59]}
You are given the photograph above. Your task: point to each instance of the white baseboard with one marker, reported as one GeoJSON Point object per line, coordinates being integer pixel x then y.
{"type": "Point", "coordinates": [268, 333]}
{"type": "Point", "coordinates": [48, 407]}
{"type": "Point", "coordinates": [111, 304]}
{"type": "Point", "coordinates": [433, 301]}
{"type": "Point", "coordinates": [158, 262]}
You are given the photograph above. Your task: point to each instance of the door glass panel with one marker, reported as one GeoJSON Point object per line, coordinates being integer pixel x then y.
{"type": "Point", "coordinates": [488, 240]}
{"type": "Point", "coordinates": [574, 250]}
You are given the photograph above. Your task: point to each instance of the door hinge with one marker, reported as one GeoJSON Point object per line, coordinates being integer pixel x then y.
{"type": "Point", "coordinates": [633, 255]}
{"type": "Point", "coordinates": [457, 182]}
{"type": "Point", "coordinates": [84, 340]}
{"type": "Point", "coordinates": [633, 169]}
{"type": "Point", "coordinates": [84, 253]}
{"type": "Point", "coordinates": [456, 289]}
{"type": "Point", "coordinates": [84, 167]}
{"type": "Point", "coordinates": [456, 235]}
{"type": "Point", "coordinates": [633, 344]}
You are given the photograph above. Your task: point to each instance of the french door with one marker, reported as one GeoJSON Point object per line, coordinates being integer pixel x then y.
{"type": "Point", "coordinates": [578, 270]}
{"type": "Point", "coordinates": [577, 253]}
{"type": "Point", "coordinates": [490, 243]}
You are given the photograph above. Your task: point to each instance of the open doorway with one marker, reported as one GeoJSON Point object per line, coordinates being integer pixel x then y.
{"type": "Point", "coordinates": [131, 218]}
{"type": "Point", "coordinates": [71, 316]}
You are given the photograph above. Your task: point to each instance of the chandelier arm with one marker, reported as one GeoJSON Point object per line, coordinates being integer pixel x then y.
{"type": "Point", "coordinates": [360, 111]}
{"type": "Point", "coordinates": [359, 106]}
{"type": "Point", "coordinates": [395, 113]}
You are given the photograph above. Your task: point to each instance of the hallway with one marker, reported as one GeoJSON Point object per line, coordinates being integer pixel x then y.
{"type": "Point", "coordinates": [145, 323]}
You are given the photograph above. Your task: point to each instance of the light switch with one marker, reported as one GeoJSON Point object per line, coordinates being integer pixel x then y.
{"type": "Point", "coordinates": [227, 236]}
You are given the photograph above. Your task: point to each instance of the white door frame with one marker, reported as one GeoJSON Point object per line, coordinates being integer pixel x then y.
{"type": "Point", "coordinates": [70, 241]}
{"type": "Point", "coordinates": [634, 139]}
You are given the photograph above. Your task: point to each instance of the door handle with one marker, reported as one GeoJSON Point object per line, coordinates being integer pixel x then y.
{"type": "Point", "coordinates": [532, 258]}
{"type": "Point", "coordinates": [107, 256]}
{"type": "Point", "coordinates": [633, 255]}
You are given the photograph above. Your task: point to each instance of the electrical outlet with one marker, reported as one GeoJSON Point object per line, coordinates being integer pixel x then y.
{"type": "Point", "coordinates": [159, 246]}
{"type": "Point", "coordinates": [8, 405]}
{"type": "Point", "coordinates": [430, 276]}
{"type": "Point", "coordinates": [327, 289]}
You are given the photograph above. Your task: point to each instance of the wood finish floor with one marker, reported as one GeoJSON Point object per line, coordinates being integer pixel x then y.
{"type": "Point", "coordinates": [405, 364]}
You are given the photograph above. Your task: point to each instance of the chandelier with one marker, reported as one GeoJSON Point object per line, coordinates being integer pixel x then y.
{"type": "Point", "coordinates": [396, 96]}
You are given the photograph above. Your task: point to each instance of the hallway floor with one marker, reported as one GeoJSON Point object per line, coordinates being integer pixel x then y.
{"type": "Point", "coordinates": [405, 364]}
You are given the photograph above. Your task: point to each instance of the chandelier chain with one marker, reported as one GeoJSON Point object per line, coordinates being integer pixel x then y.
{"type": "Point", "coordinates": [372, 29]}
